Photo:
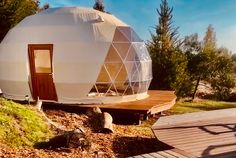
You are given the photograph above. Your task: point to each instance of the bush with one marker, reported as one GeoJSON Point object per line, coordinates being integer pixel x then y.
{"type": "Point", "coordinates": [222, 86]}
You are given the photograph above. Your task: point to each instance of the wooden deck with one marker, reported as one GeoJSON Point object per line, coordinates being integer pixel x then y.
{"type": "Point", "coordinates": [202, 134]}
{"type": "Point", "coordinates": [172, 153]}
{"type": "Point", "coordinates": [157, 101]}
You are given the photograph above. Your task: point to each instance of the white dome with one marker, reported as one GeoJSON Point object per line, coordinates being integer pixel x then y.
{"type": "Point", "coordinates": [93, 57]}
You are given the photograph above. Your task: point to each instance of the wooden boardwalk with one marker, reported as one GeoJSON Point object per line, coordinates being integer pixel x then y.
{"type": "Point", "coordinates": [202, 134]}
{"type": "Point", "coordinates": [172, 153]}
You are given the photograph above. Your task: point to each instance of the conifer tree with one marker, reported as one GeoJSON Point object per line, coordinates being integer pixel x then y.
{"type": "Point", "coordinates": [99, 5]}
{"type": "Point", "coordinates": [169, 63]}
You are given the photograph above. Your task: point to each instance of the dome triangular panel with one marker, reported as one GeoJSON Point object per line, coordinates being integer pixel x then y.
{"type": "Point", "coordinates": [135, 76]}
{"type": "Point", "coordinates": [129, 90]}
{"type": "Point", "coordinates": [102, 88]}
{"type": "Point", "coordinates": [104, 76]}
{"type": "Point", "coordinates": [135, 37]}
{"type": "Point", "coordinates": [112, 55]}
{"type": "Point", "coordinates": [112, 91]}
{"type": "Point", "coordinates": [121, 87]}
{"type": "Point", "coordinates": [132, 54]}
{"type": "Point", "coordinates": [119, 37]}
{"type": "Point", "coordinates": [126, 31]}
{"type": "Point", "coordinates": [136, 87]}
{"type": "Point", "coordinates": [113, 69]}
{"type": "Point", "coordinates": [122, 49]}
{"type": "Point", "coordinates": [130, 68]}
{"type": "Point", "coordinates": [122, 75]}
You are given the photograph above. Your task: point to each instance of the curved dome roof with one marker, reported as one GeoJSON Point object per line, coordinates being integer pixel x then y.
{"type": "Point", "coordinates": [93, 25]}
{"type": "Point", "coordinates": [95, 56]}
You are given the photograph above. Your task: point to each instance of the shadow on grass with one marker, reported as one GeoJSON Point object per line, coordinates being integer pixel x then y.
{"type": "Point", "coordinates": [54, 143]}
{"type": "Point", "coordinates": [131, 146]}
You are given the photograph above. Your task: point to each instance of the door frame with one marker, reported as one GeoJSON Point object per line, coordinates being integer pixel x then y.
{"type": "Point", "coordinates": [34, 87]}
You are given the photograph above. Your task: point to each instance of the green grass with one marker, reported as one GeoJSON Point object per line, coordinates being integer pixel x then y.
{"type": "Point", "coordinates": [182, 107]}
{"type": "Point", "coordinates": [21, 125]}
{"type": "Point", "coordinates": [200, 105]}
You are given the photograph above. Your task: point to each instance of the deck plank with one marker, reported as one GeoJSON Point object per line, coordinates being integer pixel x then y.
{"type": "Point", "coordinates": [202, 134]}
{"type": "Point", "coordinates": [157, 100]}
{"type": "Point", "coordinates": [172, 153]}
{"type": "Point", "coordinates": [147, 156]}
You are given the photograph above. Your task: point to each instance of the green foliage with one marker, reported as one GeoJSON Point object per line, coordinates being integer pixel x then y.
{"type": "Point", "coordinates": [180, 79]}
{"type": "Point", "coordinates": [169, 63]}
{"type": "Point", "coordinates": [209, 63]}
{"type": "Point", "coordinates": [233, 57]}
{"type": "Point", "coordinates": [13, 11]}
{"type": "Point", "coordinates": [209, 41]}
{"type": "Point", "coordinates": [222, 80]}
{"type": "Point", "coordinates": [222, 85]}
{"type": "Point", "coordinates": [21, 126]}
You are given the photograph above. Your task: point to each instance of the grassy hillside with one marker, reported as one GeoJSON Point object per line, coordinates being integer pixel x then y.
{"type": "Point", "coordinates": [21, 125]}
{"type": "Point", "coordinates": [199, 105]}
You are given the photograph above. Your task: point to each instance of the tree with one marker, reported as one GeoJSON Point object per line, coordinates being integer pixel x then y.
{"type": "Point", "coordinates": [192, 48]}
{"type": "Point", "coordinates": [13, 11]}
{"type": "Point", "coordinates": [169, 63]}
{"type": "Point", "coordinates": [204, 60]}
{"type": "Point", "coordinates": [209, 41]}
{"type": "Point", "coordinates": [222, 80]}
{"type": "Point", "coordinates": [99, 5]}
{"type": "Point", "coordinates": [233, 57]}
{"type": "Point", "coordinates": [209, 63]}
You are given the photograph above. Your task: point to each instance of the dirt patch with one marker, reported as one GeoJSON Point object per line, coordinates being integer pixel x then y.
{"type": "Point", "coordinates": [127, 140]}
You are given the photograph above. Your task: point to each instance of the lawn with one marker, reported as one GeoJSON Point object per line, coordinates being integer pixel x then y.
{"type": "Point", "coordinates": [199, 105]}
{"type": "Point", "coordinates": [182, 107]}
{"type": "Point", "coordinates": [21, 125]}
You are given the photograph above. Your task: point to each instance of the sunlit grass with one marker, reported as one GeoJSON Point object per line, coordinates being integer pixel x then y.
{"type": "Point", "coordinates": [182, 107]}
{"type": "Point", "coordinates": [200, 105]}
{"type": "Point", "coordinates": [21, 125]}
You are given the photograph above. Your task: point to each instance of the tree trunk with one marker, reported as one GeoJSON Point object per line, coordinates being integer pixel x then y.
{"type": "Point", "coordinates": [196, 86]}
{"type": "Point", "coordinates": [104, 119]}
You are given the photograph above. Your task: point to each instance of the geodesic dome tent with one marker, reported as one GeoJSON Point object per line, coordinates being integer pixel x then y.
{"type": "Point", "coordinates": [74, 55]}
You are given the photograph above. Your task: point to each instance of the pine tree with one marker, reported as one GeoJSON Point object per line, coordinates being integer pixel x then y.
{"type": "Point", "coordinates": [99, 5]}
{"type": "Point", "coordinates": [169, 63]}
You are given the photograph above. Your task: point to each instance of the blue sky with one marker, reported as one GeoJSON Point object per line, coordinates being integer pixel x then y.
{"type": "Point", "coordinates": [191, 16]}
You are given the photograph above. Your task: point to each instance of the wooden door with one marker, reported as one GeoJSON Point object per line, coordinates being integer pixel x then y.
{"type": "Point", "coordinates": [40, 59]}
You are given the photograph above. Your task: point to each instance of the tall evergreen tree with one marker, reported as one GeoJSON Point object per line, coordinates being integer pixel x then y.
{"type": "Point", "coordinates": [169, 63]}
{"type": "Point", "coordinates": [99, 5]}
